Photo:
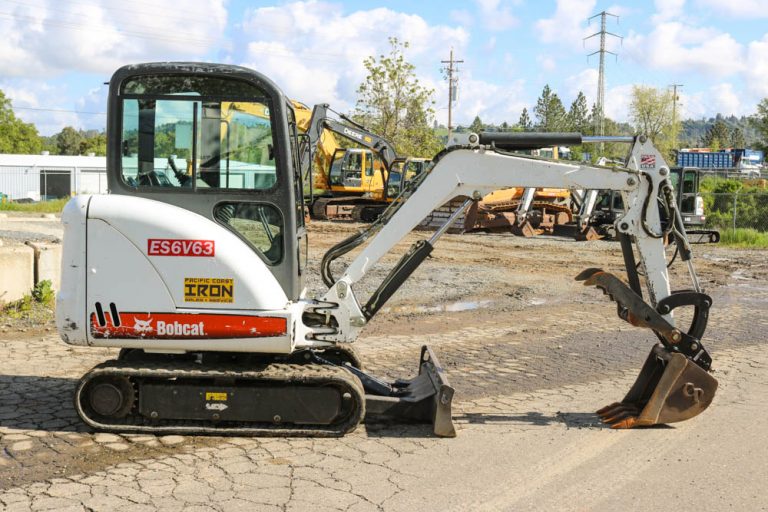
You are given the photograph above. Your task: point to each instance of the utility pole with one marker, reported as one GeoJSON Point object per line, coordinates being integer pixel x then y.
{"type": "Point", "coordinates": [674, 113]}
{"type": "Point", "coordinates": [453, 82]}
{"type": "Point", "coordinates": [600, 121]}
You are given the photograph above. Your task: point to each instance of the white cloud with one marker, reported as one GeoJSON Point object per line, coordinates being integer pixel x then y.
{"type": "Point", "coordinates": [720, 98]}
{"type": "Point", "coordinates": [495, 16]}
{"type": "Point", "coordinates": [546, 62]}
{"type": "Point", "coordinates": [494, 103]}
{"type": "Point", "coordinates": [690, 50]}
{"type": "Point", "coordinates": [749, 9]}
{"type": "Point", "coordinates": [462, 17]}
{"type": "Point", "coordinates": [617, 100]}
{"type": "Point", "coordinates": [568, 25]}
{"type": "Point", "coordinates": [668, 10]}
{"type": "Point", "coordinates": [314, 50]}
{"type": "Point", "coordinates": [49, 38]}
{"type": "Point", "coordinates": [756, 70]}
{"type": "Point", "coordinates": [584, 81]}
{"type": "Point", "coordinates": [25, 93]}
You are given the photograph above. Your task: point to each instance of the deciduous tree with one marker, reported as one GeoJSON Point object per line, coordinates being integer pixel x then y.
{"type": "Point", "coordinates": [651, 113]}
{"type": "Point", "coordinates": [392, 103]}
{"type": "Point", "coordinates": [16, 136]}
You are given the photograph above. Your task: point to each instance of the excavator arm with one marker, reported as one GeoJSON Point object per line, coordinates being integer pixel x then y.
{"type": "Point", "coordinates": [674, 384]}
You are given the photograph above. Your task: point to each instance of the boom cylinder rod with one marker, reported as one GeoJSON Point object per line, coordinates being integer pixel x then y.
{"type": "Point", "coordinates": [627, 139]}
{"type": "Point", "coordinates": [442, 229]}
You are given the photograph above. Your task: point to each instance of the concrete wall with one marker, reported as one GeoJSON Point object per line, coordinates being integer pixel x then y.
{"type": "Point", "coordinates": [23, 266]}
{"type": "Point", "coordinates": [48, 259]}
{"type": "Point", "coordinates": [17, 272]}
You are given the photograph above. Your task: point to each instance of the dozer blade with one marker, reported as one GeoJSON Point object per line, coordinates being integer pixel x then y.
{"type": "Point", "coordinates": [670, 388]}
{"type": "Point", "coordinates": [427, 398]}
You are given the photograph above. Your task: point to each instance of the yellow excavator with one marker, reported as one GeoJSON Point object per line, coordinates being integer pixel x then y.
{"type": "Point", "coordinates": [351, 183]}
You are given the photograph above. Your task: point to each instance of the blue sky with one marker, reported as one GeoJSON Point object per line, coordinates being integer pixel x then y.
{"type": "Point", "coordinates": [56, 54]}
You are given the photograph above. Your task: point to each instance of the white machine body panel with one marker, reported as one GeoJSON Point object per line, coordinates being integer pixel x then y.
{"type": "Point", "coordinates": [71, 316]}
{"type": "Point", "coordinates": [161, 278]}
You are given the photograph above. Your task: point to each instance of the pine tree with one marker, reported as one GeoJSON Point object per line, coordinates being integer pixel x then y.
{"type": "Point", "coordinates": [578, 115]}
{"type": "Point", "coordinates": [549, 111]}
{"type": "Point", "coordinates": [525, 121]}
{"type": "Point", "coordinates": [737, 138]}
{"type": "Point", "coordinates": [718, 136]}
{"type": "Point", "coordinates": [477, 125]}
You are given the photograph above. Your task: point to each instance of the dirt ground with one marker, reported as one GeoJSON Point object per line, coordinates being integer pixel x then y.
{"type": "Point", "coordinates": [531, 352]}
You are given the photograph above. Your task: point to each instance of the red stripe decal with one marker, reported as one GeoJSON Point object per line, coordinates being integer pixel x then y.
{"type": "Point", "coordinates": [189, 326]}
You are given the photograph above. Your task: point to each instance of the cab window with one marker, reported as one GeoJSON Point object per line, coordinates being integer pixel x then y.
{"type": "Point", "coordinates": [175, 136]}
{"type": "Point", "coordinates": [261, 225]}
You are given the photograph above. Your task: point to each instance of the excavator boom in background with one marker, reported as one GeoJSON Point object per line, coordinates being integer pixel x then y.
{"type": "Point", "coordinates": [216, 331]}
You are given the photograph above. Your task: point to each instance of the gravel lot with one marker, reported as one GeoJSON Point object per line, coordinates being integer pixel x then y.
{"type": "Point", "coordinates": [531, 353]}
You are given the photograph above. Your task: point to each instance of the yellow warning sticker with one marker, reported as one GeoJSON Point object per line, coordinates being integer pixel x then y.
{"type": "Point", "coordinates": [209, 289]}
{"type": "Point", "coordinates": [215, 396]}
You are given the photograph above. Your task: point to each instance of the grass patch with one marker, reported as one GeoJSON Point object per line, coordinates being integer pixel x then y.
{"type": "Point", "coordinates": [54, 206]}
{"type": "Point", "coordinates": [41, 295]}
{"type": "Point", "coordinates": [744, 237]}
{"type": "Point", "coordinates": [34, 311]}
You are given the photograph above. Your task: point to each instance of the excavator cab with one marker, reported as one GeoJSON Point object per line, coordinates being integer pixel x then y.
{"type": "Point", "coordinates": [216, 140]}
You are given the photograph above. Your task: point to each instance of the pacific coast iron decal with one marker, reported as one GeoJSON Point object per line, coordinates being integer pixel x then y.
{"type": "Point", "coordinates": [186, 326]}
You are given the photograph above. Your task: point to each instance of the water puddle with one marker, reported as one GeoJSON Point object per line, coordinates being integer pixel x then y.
{"type": "Point", "coordinates": [452, 307]}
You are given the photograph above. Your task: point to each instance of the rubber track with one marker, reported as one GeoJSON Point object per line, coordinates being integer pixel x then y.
{"type": "Point", "coordinates": [279, 373]}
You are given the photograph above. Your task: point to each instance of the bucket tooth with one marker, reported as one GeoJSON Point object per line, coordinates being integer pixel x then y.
{"type": "Point", "coordinates": [670, 388]}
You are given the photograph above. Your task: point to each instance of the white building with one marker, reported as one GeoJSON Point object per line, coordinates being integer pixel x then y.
{"type": "Point", "coordinates": [41, 177]}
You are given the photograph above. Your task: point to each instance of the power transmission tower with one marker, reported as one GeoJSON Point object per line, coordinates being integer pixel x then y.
{"type": "Point", "coordinates": [453, 82]}
{"type": "Point", "coordinates": [600, 121]}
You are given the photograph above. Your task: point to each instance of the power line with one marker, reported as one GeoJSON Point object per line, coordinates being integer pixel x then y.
{"type": "Point", "coordinates": [600, 121]}
{"type": "Point", "coordinates": [453, 83]}
{"type": "Point", "coordinates": [200, 42]}
{"type": "Point", "coordinates": [61, 110]}
{"type": "Point", "coordinates": [75, 25]}
{"type": "Point", "coordinates": [154, 13]}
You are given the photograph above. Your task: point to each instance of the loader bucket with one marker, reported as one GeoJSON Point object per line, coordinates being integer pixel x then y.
{"type": "Point", "coordinates": [670, 388]}
{"type": "Point", "coordinates": [425, 399]}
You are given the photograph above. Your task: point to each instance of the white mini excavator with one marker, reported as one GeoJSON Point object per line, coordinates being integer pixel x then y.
{"type": "Point", "coordinates": [194, 264]}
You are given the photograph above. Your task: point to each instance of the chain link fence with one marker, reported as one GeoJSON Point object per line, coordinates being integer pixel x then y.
{"type": "Point", "coordinates": [743, 209]}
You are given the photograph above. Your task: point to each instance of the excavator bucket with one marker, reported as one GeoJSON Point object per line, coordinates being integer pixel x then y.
{"type": "Point", "coordinates": [524, 229]}
{"type": "Point", "coordinates": [588, 234]}
{"type": "Point", "coordinates": [670, 388]}
{"type": "Point", "coordinates": [425, 399]}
